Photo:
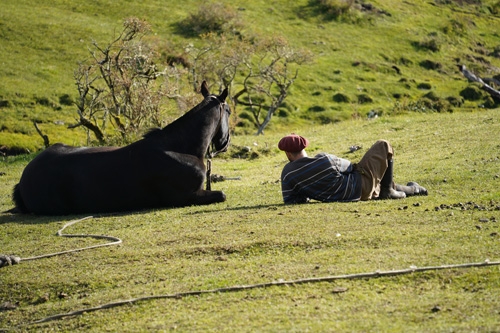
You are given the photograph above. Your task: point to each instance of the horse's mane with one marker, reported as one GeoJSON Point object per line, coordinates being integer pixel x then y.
{"type": "Point", "coordinates": [155, 132]}
{"type": "Point", "coordinates": [152, 132]}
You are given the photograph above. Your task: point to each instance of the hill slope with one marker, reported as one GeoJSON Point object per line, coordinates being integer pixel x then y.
{"type": "Point", "coordinates": [395, 53]}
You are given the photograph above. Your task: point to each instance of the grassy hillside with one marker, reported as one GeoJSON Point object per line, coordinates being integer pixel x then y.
{"type": "Point", "coordinates": [43, 41]}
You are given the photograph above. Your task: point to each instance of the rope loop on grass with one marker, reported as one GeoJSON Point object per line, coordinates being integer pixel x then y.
{"type": "Point", "coordinates": [236, 288]}
{"type": "Point", "coordinates": [8, 260]}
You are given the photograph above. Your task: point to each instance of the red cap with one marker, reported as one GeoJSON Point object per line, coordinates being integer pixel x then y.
{"type": "Point", "coordinates": [293, 143]}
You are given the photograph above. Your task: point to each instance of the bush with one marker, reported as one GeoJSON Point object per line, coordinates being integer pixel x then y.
{"type": "Point", "coordinates": [66, 100]}
{"type": "Point", "coordinates": [211, 17]}
{"type": "Point", "coordinates": [489, 103]}
{"type": "Point", "coordinates": [442, 106]}
{"type": "Point", "coordinates": [335, 8]}
{"type": "Point", "coordinates": [405, 61]}
{"type": "Point", "coordinates": [341, 98]}
{"type": "Point", "coordinates": [120, 87]}
{"type": "Point", "coordinates": [472, 93]}
{"type": "Point", "coordinates": [432, 96]}
{"type": "Point", "coordinates": [496, 52]}
{"type": "Point", "coordinates": [43, 101]}
{"type": "Point", "coordinates": [282, 113]}
{"type": "Point", "coordinates": [244, 123]}
{"type": "Point", "coordinates": [457, 27]}
{"type": "Point", "coordinates": [429, 64]}
{"type": "Point", "coordinates": [455, 101]}
{"type": "Point", "coordinates": [424, 86]}
{"type": "Point", "coordinates": [246, 115]}
{"type": "Point", "coordinates": [422, 105]}
{"type": "Point", "coordinates": [364, 98]}
{"type": "Point", "coordinates": [349, 11]}
{"type": "Point", "coordinates": [316, 108]}
{"type": "Point", "coordinates": [495, 8]}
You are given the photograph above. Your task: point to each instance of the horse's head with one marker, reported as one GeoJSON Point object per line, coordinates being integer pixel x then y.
{"type": "Point", "coordinates": [221, 138]}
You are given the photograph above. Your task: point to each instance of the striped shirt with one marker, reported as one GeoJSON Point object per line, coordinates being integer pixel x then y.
{"type": "Point", "coordinates": [324, 177]}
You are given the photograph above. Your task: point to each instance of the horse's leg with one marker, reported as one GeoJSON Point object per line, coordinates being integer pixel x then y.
{"type": "Point", "coordinates": [203, 197]}
{"type": "Point", "coordinates": [176, 180]}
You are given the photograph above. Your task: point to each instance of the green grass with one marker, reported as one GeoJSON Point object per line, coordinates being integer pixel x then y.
{"type": "Point", "coordinates": [43, 41]}
{"type": "Point", "coordinates": [254, 238]}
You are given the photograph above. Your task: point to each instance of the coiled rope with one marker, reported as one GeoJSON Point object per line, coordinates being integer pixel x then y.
{"type": "Point", "coordinates": [7, 259]}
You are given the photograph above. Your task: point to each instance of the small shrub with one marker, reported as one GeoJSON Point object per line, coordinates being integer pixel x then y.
{"type": "Point", "coordinates": [325, 119]}
{"type": "Point", "coordinates": [405, 61]}
{"type": "Point", "coordinates": [422, 105]}
{"type": "Point", "coordinates": [341, 98]}
{"type": "Point", "coordinates": [496, 52]}
{"type": "Point", "coordinates": [211, 17]}
{"type": "Point", "coordinates": [66, 100]}
{"type": "Point", "coordinates": [401, 95]}
{"type": "Point", "coordinates": [458, 27]}
{"type": "Point", "coordinates": [489, 103]}
{"type": "Point", "coordinates": [442, 105]}
{"type": "Point", "coordinates": [495, 8]}
{"type": "Point", "coordinates": [316, 108]}
{"type": "Point", "coordinates": [245, 123]}
{"type": "Point", "coordinates": [283, 113]}
{"type": "Point", "coordinates": [245, 152]}
{"type": "Point", "coordinates": [424, 86]}
{"type": "Point", "coordinates": [246, 115]}
{"type": "Point", "coordinates": [364, 98]}
{"type": "Point", "coordinates": [472, 93]}
{"type": "Point", "coordinates": [431, 65]}
{"type": "Point", "coordinates": [432, 96]}
{"type": "Point", "coordinates": [335, 9]}
{"type": "Point", "coordinates": [455, 101]}
{"type": "Point", "coordinates": [429, 44]}
{"type": "Point", "coordinates": [43, 101]}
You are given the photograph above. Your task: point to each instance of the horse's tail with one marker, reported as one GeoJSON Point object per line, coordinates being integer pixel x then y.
{"type": "Point", "coordinates": [18, 201]}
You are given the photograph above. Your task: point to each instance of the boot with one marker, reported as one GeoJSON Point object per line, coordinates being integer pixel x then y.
{"type": "Point", "coordinates": [412, 188]}
{"type": "Point", "coordinates": [387, 190]}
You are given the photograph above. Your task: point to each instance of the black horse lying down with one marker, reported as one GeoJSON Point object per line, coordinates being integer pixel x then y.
{"type": "Point", "coordinates": [164, 169]}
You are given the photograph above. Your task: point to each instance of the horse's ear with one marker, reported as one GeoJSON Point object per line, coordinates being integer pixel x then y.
{"type": "Point", "coordinates": [204, 89]}
{"type": "Point", "coordinates": [223, 95]}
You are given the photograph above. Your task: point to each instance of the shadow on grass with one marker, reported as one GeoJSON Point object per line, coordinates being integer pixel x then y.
{"type": "Point", "coordinates": [39, 219]}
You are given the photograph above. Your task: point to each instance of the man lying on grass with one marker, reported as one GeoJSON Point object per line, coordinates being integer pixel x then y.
{"type": "Point", "coordinates": [329, 178]}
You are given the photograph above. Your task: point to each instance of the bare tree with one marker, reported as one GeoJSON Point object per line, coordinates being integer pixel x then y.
{"type": "Point", "coordinates": [262, 71]}
{"type": "Point", "coordinates": [269, 78]}
{"type": "Point", "coordinates": [119, 86]}
{"type": "Point", "coordinates": [122, 90]}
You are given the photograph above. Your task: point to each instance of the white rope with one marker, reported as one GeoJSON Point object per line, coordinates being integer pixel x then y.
{"type": "Point", "coordinates": [375, 274]}
{"type": "Point", "coordinates": [115, 241]}
{"type": "Point", "coordinates": [6, 260]}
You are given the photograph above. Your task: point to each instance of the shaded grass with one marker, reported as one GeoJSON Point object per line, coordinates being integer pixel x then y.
{"type": "Point", "coordinates": [254, 238]}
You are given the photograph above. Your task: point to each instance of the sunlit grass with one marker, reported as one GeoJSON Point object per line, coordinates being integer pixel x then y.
{"type": "Point", "coordinates": [43, 41]}
{"type": "Point", "coordinates": [254, 238]}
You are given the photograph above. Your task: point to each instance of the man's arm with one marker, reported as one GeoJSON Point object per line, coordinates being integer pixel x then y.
{"type": "Point", "coordinates": [290, 192]}
{"type": "Point", "coordinates": [345, 166]}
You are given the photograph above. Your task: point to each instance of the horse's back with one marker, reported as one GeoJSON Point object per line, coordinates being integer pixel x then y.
{"type": "Point", "coordinates": [63, 179]}
{"type": "Point", "coordinates": [59, 177]}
